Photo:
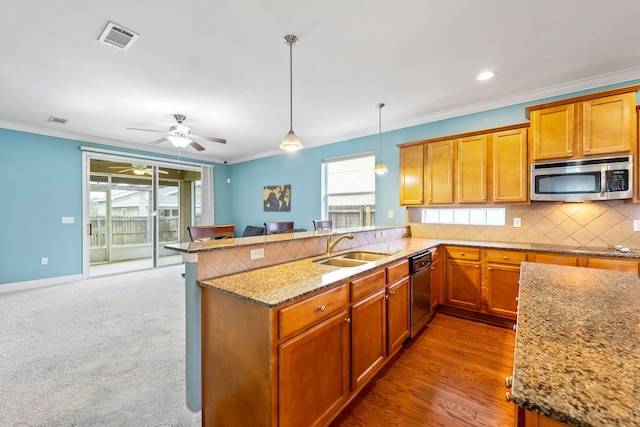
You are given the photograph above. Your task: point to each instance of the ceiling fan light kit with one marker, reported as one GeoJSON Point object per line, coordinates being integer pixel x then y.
{"type": "Point", "coordinates": [180, 135]}
{"type": "Point", "coordinates": [291, 142]}
{"type": "Point", "coordinates": [380, 168]}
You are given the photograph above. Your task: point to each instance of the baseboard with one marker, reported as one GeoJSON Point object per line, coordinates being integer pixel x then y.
{"type": "Point", "coordinates": [40, 283]}
{"type": "Point", "coordinates": [191, 419]}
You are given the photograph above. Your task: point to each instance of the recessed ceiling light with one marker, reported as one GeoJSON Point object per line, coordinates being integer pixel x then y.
{"type": "Point", "coordinates": [486, 75]}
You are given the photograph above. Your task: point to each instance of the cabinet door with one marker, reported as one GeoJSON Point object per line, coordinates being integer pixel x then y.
{"type": "Point", "coordinates": [608, 124]}
{"type": "Point", "coordinates": [368, 338]}
{"type": "Point", "coordinates": [439, 172]}
{"type": "Point", "coordinates": [471, 185]}
{"type": "Point", "coordinates": [411, 175]}
{"type": "Point", "coordinates": [398, 315]}
{"type": "Point", "coordinates": [510, 170]}
{"type": "Point", "coordinates": [436, 282]}
{"type": "Point", "coordinates": [463, 284]}
{"type": "Point", "coordinates": [314, 374]}
{"type": "Point", "coordinates": [553, 132]}
{"type": "Point", "coordinates": [502, 289]}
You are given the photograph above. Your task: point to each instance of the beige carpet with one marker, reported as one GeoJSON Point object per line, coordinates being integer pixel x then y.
{"type": "Point", "coordinates": [107, 352]}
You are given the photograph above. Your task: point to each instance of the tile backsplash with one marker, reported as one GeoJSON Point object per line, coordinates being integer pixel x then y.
{"type": "Point", "coordinates": [595, 224]}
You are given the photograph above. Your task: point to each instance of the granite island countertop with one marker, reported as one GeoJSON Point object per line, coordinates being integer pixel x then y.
{"type": "Point", "coordinates": [577, 352]}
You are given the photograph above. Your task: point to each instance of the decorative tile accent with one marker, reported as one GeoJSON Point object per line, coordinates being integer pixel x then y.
{"type": "Point", "coordinates": [596, 225]}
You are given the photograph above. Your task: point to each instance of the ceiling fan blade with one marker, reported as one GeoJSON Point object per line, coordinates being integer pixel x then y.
{"type": "Point", "coordinates": [147, 130]}
{"type": "Point", "coordinates": [209, 138]}
{"type": "Point", "coordinates": [125, 170]}
{"type": "Point", "coordinates": [161, 171]}
{"type": "Point", "coordinates": [157, 141]}
{"type": "Point", "coordinates": [196, 146]}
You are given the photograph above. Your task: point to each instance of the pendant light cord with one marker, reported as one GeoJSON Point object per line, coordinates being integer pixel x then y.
{"type": "Point", "coordinates": [291, 86]}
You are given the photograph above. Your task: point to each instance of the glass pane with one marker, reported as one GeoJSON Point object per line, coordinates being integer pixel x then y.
{"type": "Point", "coordinates": [351, 175]}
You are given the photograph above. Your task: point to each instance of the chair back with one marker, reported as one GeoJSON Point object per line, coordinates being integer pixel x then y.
{"type": "Point", "coordinates": [278, 227]}
{"type": "Point", "coordinates": [211, 232]}
{"type": "Point", "coordinates": [322, 224]}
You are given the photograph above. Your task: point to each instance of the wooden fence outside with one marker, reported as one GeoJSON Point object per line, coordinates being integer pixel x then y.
{"type": "Point", "coordinates": [132, 230]}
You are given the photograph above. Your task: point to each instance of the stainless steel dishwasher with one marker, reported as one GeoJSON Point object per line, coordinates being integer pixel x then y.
{"type": "Point", "coordinates": [420, 290]}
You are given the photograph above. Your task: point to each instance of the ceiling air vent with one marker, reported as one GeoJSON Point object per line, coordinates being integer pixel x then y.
{"type": "Point", "coordinates": [58, 120]}
{"type": "Point", "coordinates": [117, 36]}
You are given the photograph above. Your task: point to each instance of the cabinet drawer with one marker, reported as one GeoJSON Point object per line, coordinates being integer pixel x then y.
{"type": "Point", "coordinates": [506, 257]}
{"type": "Point", "coordinates": [368, 284]}
{"type": "Point", "coordinates": [298, 317]}
{"type": "Point", "coordinates": [397, 271]}
{"type": "Point", "coordinates": [459, 252]}
{"type": "Point", "coordinates": [555, 259]}
{"type": "Point", "coordinates": [613, 264]}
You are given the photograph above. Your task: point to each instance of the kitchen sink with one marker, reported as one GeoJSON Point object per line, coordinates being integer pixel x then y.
{"type": "Point", "coordinates": [351, 259]}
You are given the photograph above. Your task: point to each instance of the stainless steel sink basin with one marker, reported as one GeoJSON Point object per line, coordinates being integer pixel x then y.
{"type": "Point", "coordinates": [351, 259]}
{"type": "Point", "coordinates": [363, 256]}
{"type": "Point", "coordinates": [340, 262]}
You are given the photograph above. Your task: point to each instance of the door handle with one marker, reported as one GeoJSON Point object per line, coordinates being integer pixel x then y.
{"type": "Point", "coordinates": [90, 229]}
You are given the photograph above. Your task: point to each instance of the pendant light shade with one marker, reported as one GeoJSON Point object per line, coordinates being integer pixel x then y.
{"type": "Point", "coordinates": [291, 142]}
{"type": "Point", "coordinates": [380, 168]}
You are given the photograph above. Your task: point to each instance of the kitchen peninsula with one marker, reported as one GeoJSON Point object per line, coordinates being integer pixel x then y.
{"type": "Point", "coordinates": [256, 297]}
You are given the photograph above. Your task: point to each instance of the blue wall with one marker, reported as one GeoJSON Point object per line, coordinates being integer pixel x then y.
{"type": "Point", "coordinates": [41, 181]}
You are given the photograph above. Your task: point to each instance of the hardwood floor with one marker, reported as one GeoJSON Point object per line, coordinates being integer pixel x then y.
{"type": "Point", "coordinates": [451, 374]}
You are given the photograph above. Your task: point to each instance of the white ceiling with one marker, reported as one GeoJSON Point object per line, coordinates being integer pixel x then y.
{"type": "Point", "coordinates": [224, 64]}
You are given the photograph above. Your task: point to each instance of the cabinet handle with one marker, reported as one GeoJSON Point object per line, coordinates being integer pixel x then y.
{"type": "Point", "coordinates": [570, 151]}
{"type": "Point", "coordinates": [321, 308]}
{"type": "Point", "coordinates": [386, 296]}
{"type": "Point", "coordinates": [347, 320]}
{"type": "Point", "coordinates": [508, 396]}
{"type": "Point", "coordinates": [518, 298]}
{"type": "Point", "coordinates": [392, 292]}
{"type": "Point", "coordinates": [433, 268]}
{"type": "Point", "coordinates": [508, 382]}
{"type": "Point", "coordinates": [461, 253]}
{"type": "Point", "coordinates": [488, 268]}
{"type": "Point", "coordinates": [505, 257]}
{"type": "Point", "coordinates": [430, 200]}
{"type": "Point", "coordinates": [515, 327]}
{"type": "Point", "coordinates": [587, 149]}
{"type": "Point", "coordinates": [476, 266]}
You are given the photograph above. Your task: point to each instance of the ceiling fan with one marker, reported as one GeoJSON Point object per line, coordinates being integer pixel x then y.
{"type": "Point", "coordinates": [180, 135]}
{"type": "Point", "coordinates": [137, 169]}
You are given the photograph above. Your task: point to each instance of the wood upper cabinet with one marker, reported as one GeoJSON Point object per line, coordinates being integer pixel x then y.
{"type": "Point", "coordinates": [479, 167]}
{"type": "Point", "coordinates": [412, 175]}
{"type": "Point", "coordinates": [471, 171]}
{"type": "Point", "coordinates": [592, 125]}
{"type": "Point", "coordinates": [440, 157]}
{"type": "Point", "coordinates": [510, 167]}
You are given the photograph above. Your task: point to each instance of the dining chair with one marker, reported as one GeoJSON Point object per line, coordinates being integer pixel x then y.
{"type": "Point", "coordinates": [278, 227]}
{"type": "Point", "coordinates": [211, 232]}
{"type": "Point", "coordinates": [322, 224]}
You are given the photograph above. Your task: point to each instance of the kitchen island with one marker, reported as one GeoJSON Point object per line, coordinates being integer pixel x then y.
{"type": "Point", "coordinates": [577, 352]}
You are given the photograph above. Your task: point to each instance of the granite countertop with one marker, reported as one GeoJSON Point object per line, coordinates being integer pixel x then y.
{"type": "Point", "coordinates": [281, 283]}
{"type": "Point", "coordinates": [577, 353]}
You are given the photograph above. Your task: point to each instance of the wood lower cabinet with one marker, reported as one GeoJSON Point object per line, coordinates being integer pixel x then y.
{"type": "Point", "coordinates": [531, 419]}
{"type": "Point", "coordinates": [314, 374]}
{"type": "Point", "coordinates": [463, 277]}
{"type": "Point", "coordinates": [546, 258]}
{"type": "Point", "coordinates": [398, 314]}
{"type": "Point", "coordinates": [368, 337]}
{"type": "Point", "coordinates": [617, 264]}
{"type": "Point", "coordinates": [503, 276]}
{"type": "Point", "coordinates": [437, 290]}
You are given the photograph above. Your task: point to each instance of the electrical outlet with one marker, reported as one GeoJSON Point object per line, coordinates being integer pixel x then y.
{"type": "Point", "coordinates": [257, 253]}
{"type": "Point", "coordinates": [68, 220]}
{"type": "Point", "coordinates": [517, 222]}
{"type": "Point", "coordinates": [390, 214]}
{"type": "Point", "coordinates": [636, 225]}
{"type": "Point", "coordinates": [44, 260]}
{"type": "Point", "coordinates": [378, 234]}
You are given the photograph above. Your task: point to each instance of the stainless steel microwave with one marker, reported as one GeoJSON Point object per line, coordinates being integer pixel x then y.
{"type": "Point", "coordinates": [605, 178]}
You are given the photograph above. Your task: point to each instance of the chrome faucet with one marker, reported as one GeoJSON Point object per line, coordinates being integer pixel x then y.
{"type": "Point", "coordinates": [331, 245]}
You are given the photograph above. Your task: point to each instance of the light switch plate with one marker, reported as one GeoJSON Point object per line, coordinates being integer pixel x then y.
{"type": "Point", "coordinates": [68, 220]}
{"type": "Point", "coordinates": [517, 222]}
{"type": "Point", "coordinates": [636, 225]}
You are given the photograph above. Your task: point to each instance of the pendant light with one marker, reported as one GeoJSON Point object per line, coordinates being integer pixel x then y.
{"type": "Point", "coordinates": [291, 142]}
{"type": "Point", "coordinates": [380, 168]}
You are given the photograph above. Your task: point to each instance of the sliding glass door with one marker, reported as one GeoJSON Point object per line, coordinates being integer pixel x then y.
{"type": "Point", "coordinates": [134, 210]}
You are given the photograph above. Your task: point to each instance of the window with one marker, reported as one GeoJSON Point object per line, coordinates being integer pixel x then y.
{"type": "Point", "coordinates": [349, 190]}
